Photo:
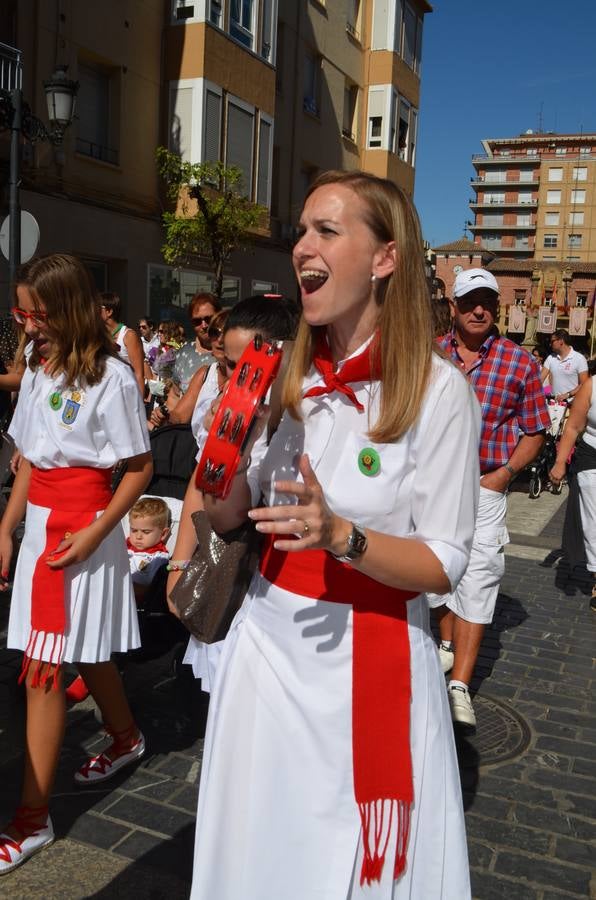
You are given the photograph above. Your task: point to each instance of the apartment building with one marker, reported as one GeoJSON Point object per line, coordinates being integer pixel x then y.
{"type": "Point", "coordinates": [283, 89]}
{"type": "Point", "coordinates": [535, 197]}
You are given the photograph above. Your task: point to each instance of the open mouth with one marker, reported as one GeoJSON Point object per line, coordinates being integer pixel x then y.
{"type": "Point", "coordinates": [312, 279]}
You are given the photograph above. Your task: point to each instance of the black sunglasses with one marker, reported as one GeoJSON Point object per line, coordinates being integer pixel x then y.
{"type": "Point", "coordinates": [200, 320]}
{"type": "Point", "coordinates": [215, 332]}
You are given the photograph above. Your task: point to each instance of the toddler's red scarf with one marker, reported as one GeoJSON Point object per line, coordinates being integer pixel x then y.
{"type": "Point", "coordinates": [160, 547]}
{"type": "Point", "coordinates": [381, 692]}
{"type": "Point", "coordinates": [364, 367]}
{"type": "Point", "coordinates": [74, 496]}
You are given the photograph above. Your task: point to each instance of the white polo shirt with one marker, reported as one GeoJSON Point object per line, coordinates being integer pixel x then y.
{"type": "Point", "coordinates": [564, 373]}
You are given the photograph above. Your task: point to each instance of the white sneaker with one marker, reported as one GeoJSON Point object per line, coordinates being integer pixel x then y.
{"type": "Point", "coordinates": [460, 702]}
{"type": "Point", "coordinates": [447, 658]}
{"type": "Point", "coordinates": [14, 853]}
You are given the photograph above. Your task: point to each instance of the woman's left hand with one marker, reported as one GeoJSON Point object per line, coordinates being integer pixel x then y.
{"type": "Point", "coordinates": [557, 473]}
{"type": "Point", "coordinates": [74, 548]}
{"type": "Point", "coordinates": [312, 520]}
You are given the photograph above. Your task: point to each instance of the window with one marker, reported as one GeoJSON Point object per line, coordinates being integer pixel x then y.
{"type": "Point", "coordinates": [555, 174]}
{"type": "Point", "coordinates": [580, 173]}
{"type": "Point", "coordinates": [492, 197]}
{"type": "Point", "coordinates": [532, 151]}
{"type": "Point", "coordinates": [312, 68]}
{"type": "Point", "coordinates": [240, 141]}
{"type": "Point", "coordinates": [551, 218]}
{"type": "Point", "coordinates": [263, 287]}
{"type": "Point", "coordinates": [215, 13]}
{"type": "Point", "coordinates": [169, 290]}
{"type": "Point", "coordinates": [578, 196]}
{"type": "Point", "coordinates": [95, 115]}
{"type": "Point", "coordinates": [574, 241]}
{"type": "Point", "coordinates": [99, 273]}
{"type": "Point", "coordinates": [349, 116]}
{"type": "Point", "coordinates": [550, 240]}
{"type": "Point", "coordinates": [498, 176]}
{"type": "Point", "coordinates": [264, 161]}
{"type": "Point", "coordinates": [561, 151]}
{"type": "Point", "coordinates": [412, 38]}
{"type": "Point", "coordinates": [492, 220]}
{"type": "Point", "coordinates": [576, 218]}
{"type": "Point", "coordinates": [268, 17]}
{"type": "Point", "coordinates": [375, 131]}
{"type": "Point", "coordinates": [525, 197]}
{"type": "Point", "coordinates": [553, 196]}
{"type": "Point", "coordinates": [412, 137]}
{"type": "Point", "coordinates": [242, 21]}
{"type": "Point", "coordinates": [353, 19]}
{"type": "Point", "coordinates": [526, 175]}
{"type": "Point", "coordinates": [212, 126]}
{"type": "Point", "coordinates": [520, 297]}
{"type": "Point", "coordinates": [525, 219]}
{"type": "Point", "coordinates": [402, 129]}
{"type": "Point", "coordinates": [581, 299]}
{"type": "Point", "coordinates": [585, 151]}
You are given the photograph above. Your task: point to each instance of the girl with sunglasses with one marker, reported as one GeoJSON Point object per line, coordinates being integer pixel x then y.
{"type": "Point", "coordinates": [79, 413]}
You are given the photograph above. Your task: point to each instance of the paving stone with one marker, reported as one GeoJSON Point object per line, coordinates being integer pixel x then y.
{"type": "Point", "coordinates": [97, 831]}
{"type": "Point", "coordinates": [479, 855]}
{"type": "Point", "coordinates": [552, 821]}
{"type": "Point", "coordinates": [542, 872]}
{"type": "Point", "coordinates": [580, 852]}
{"type": "Point", "coordinates": [152, 816]}
{"type": "Point", "coordinates": [560, 745]}
{"type": "Point", "coordinates": [504, 834]}
{"type": "Point", "coordinates": [174, 855]}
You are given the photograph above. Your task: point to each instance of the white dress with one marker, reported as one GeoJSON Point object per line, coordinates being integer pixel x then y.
{"type": "Point", "coordinates": [277, 816]}
{"type": "Point", "coordinates": [122, 348]}
{"type": "Point", "coordinates": [109, 425]}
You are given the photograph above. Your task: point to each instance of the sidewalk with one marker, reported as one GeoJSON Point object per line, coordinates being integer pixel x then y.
{"type": "Point", "coordinates": [528, 775]}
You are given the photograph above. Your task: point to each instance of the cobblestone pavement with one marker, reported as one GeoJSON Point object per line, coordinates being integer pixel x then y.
{"type": "Point", "coordinates": [528, 775]}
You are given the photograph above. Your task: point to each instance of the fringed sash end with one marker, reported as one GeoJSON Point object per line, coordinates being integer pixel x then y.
{"type": "Point", "coordinates": [377, 822]}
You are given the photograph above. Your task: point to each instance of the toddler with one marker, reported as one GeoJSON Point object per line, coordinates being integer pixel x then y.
{"type": "Point", "coordinates": [149, 521]}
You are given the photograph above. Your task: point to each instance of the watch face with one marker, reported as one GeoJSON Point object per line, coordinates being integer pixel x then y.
{"type": "Point", "coordinates": [457, 269]}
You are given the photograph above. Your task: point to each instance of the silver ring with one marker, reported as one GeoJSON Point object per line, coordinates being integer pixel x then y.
{"type": "Point", "coordinates": [305, 527]}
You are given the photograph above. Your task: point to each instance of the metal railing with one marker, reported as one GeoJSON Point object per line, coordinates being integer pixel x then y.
{"type": "Point", "coordinates": [11, 68]}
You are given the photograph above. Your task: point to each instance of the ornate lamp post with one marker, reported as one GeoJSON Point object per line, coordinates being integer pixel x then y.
{"type": "Point", "coordinates": [16, 116]}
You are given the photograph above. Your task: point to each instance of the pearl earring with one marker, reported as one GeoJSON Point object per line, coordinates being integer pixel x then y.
{"type": "Point", "coordinates": [373, 278]}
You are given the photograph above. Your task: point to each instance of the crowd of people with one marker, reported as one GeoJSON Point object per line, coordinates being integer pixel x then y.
{"type": "Point", "coordinates": [379, 492]}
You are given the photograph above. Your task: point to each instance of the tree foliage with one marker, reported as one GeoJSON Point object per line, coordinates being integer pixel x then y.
{"type": "Point", "coordinates": [221, 221]}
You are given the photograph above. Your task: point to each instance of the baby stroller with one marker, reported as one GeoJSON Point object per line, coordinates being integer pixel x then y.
{"type": "Point", "coordinates": [539, 469]}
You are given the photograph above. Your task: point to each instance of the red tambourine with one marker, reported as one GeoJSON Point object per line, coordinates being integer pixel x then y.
{"type": "Point", "coordinates": [254, 374]}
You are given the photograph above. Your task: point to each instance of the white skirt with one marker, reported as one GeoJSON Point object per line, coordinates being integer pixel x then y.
{"type": "Point", "coordinates": [204, 659]}
{"type": "Point", "coordinates": [277, 815]}
{"type": "Point", "coordinates": [101, 614]}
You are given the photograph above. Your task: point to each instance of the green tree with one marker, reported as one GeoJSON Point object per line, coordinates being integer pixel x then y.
{"type": "Point", "coordinates": [221, 221]}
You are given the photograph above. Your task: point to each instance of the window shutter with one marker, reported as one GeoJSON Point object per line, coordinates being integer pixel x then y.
{"type": "Point", "coordinates": [212, 128]}
{"type": "Point", "coordinates": [180, 139]}
{"type": "Point", "coordinates": [240, 144]}
{"type": "Point", "coordinates": [264, 169]}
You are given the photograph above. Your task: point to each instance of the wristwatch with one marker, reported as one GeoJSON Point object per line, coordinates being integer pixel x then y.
{"type": "Point", "coordinates": [357, 544]}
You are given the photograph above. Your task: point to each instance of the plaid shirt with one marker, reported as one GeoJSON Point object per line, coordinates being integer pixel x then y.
{"type": "Point", "coordinates": [506, 380]}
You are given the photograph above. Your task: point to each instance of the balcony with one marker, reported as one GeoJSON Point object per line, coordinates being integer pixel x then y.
{"type": "Point", "coordinates": [501, 227]}
{"type": "Point", "coordinates": [483, 181]}
{"type": "Point", "coordinates": [503, 204]}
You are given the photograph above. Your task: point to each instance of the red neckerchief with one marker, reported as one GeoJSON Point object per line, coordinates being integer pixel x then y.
{"type": "Point", "coordinates": [74, 496]}
{"type": "Point", "coordinates": [157, 548]}
{"type": "Point", "coordinates": [366, 366]}
{"type": "Point", "coordinates": [381, 692]}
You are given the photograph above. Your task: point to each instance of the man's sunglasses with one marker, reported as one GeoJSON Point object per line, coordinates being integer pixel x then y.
{"type": "Point", "coordinates": [37, 317]}
{"type": "Point", "coordinates": [215, 333]}
{"type": "Point", "coordinates": [200, 320]}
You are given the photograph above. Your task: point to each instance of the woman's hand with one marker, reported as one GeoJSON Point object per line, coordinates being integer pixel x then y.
{"type": "Point", "coordinates": [157, 417]}
{"type": "Point", "coordinates": [173, 579]}
{"type": "Point", "coordinates": [557, 473]}
{"type": "Point", "coordinates": [312, 520]}
{"type": "Point", "coordinates": [74, 548]}
{"type": "Point", "coordinates": [6, 549]}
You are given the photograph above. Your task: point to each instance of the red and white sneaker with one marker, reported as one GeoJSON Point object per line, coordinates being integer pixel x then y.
{"type": "Point", "coordinates": [100, 768]}
{"type": "Point", "coordinates": [35, 835]}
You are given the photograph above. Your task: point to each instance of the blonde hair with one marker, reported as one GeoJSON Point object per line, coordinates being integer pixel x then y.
{"type": "Point", "coordinates": [403, 298]}
{"type": "Point", "coordinates": [80, 342]}
{"type": "Point", "coordinates": [152, 508]}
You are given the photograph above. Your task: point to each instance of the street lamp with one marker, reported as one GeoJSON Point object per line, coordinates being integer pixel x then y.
{"type": "Point", "coordinates": [16, 116]}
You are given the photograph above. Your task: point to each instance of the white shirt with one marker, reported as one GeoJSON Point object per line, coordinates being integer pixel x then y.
{"type": "Point", "coordinates": [148, 345]}
{"type": "Point", "coordinates": [427, 484]}
{"type": "Point", "coordinates": [144, 566]}
{"type": "Point", "coordinates": [54, 426]}
{"type": "Point", "coordinates": [564, 373]}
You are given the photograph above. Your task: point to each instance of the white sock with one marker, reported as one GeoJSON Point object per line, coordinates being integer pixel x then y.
{"type": "Point", "coordinates": [459, 684]}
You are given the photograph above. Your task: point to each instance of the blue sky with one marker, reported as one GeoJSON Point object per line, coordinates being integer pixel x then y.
{"type": "Point", "coordinates": [489, 71]}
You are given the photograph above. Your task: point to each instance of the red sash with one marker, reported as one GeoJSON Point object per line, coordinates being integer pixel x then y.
{"type": "Point", "coordinates": [74, 496]}
{"type": "Point", "coordinates": [160, 547]}
{"type": "Point", "coordinates": [381, 692]}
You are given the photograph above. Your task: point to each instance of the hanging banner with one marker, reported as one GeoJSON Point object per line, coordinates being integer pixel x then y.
{"type": "Point", "coordinates": [547, 319]}
{"type": "Point", "coordinates": [578, 320]}
{"type": "Point", "coordinates": [517, 320]}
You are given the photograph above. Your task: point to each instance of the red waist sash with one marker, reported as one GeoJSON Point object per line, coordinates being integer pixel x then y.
{"type": "Point", "coordinates": [381, 692]}
{"type": "Point", "coordinates": [74, 496]}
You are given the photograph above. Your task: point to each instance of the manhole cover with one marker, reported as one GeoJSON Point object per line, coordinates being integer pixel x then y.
{"type": "Point", "coordinates": [501, 734]}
